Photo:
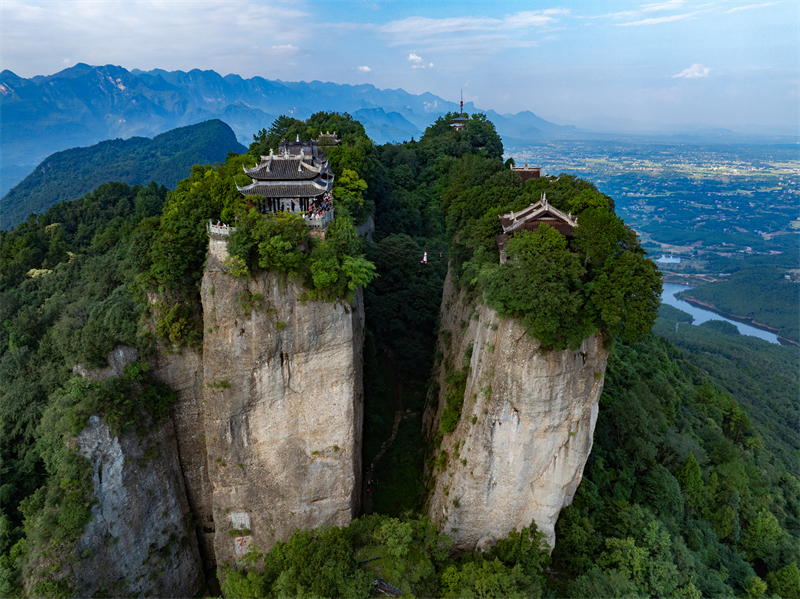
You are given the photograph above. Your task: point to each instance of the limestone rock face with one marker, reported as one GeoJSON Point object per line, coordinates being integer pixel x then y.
{"type": "Point", "coordinates": [141, 524]}
{"type": "Point", "coordinates": [183, 372]}
{"type": "Point", "coordinates": [525, 431]}
{"type": "Point", "coordinates": [283, 408]}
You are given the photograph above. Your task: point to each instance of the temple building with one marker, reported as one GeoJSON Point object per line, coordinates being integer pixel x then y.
{"type": "Point", "coordinates": [296, 179]}
{"type": "Point", "coordinates": [528, 172]}
{"type": "Point", "coordinates": [529, 219]}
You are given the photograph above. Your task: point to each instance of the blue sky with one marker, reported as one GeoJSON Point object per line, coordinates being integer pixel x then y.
{"type": "Point", "coordinates": [714, 63]}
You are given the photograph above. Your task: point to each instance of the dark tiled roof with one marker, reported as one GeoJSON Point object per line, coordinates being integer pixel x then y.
{"type": "Point", "coordinates": [283, 168]}
{"type": "Point", "coordinates": [301, 189]}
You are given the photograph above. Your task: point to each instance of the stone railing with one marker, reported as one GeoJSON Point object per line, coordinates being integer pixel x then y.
{"type": "Point", "coordinates": [322, 223]}
{"type": "Point", "coordinates": [213, 229]}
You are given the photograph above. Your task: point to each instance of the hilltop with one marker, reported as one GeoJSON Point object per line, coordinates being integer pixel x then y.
{"type": "Point", "coordinates": [71, 174]}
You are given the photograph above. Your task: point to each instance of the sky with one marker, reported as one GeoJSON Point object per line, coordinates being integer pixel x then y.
{"type": "Point", "coordinates": [724, 64]}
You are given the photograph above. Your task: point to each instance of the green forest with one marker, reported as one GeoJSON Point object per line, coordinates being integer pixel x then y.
{"type": "Point", "coordinates": [693, 485]}
{"type": "Point", "coordinates": [71, 174]}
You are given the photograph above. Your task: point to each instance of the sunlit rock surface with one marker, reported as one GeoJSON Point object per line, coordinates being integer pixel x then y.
{"type": "Point", "coordinates": [525, 431]}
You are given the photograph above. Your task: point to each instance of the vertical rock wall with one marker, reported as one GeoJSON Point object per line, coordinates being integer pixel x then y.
{"type": "Point", "coordinates": [283, 403]}
{"type": "Point", "coordinates": [183, 372]}
{"type": "Point", "coordinates": [526, 427]}
{"type": "Point", "coordinates": [140, 541]}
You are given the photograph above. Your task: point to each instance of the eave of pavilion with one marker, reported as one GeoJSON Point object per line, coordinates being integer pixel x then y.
{"type": "Point", "coordinates": [538, 211]}
{"type": "Point", "coordinates": [288, 189]}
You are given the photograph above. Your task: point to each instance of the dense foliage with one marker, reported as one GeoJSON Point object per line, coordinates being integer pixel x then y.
{"type": "Point", "coordinates": [407, 553]}
{"type": "Point", "coordinates": [563, 289]}
{"type": "Point", "coordinates": [71, 174]}
{"type": "Point", "coordinates": [693, 485]}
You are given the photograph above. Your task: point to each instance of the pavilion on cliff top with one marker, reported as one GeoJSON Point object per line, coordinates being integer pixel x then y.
{"type": "Point", "coordinates": [296, 179]}
{"type": "Point", "coordinates": [529, 219]}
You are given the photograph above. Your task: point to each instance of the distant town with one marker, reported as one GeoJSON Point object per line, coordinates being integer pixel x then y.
{"type": "Point", "coordinates": [690, 201]}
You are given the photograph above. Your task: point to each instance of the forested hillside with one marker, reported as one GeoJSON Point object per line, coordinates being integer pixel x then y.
{"type": "Point", "coordinates": [71, 174]}
{"type": "Point", "coordinates": [693, 485]}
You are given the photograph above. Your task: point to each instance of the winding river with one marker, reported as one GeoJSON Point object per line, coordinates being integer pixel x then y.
{"type": "Point", "coordinates": [701, 315]}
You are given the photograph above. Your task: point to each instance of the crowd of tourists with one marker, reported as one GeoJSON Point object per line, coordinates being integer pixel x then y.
{"type": "Point", "coordinates": [320, 209]}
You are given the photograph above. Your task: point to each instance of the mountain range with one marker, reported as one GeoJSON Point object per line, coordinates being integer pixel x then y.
{"type": "Point", "coordinates": [85, 104]}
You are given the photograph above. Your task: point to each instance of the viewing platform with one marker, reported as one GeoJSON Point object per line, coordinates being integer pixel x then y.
{"type": "Point", "coordinates": [220, 229]}
{"type": "Point", "coordinates": [319, 224]}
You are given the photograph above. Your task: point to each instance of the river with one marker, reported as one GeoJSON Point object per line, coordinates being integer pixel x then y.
{"type": "Point", "coordinates": [701, 315]}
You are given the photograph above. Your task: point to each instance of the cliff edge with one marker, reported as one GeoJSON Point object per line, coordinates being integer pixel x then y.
{"type": "Point", "coordinates": [518, 451]}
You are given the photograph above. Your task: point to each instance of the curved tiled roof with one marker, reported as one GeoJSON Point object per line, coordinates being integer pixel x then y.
{"type": "Point", "coordinates": [287, 189]}
{"type": "Point", "coordinates": [282, 168]}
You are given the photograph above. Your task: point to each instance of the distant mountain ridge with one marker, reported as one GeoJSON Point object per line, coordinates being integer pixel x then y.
{"type": "Point", "coordinates": [71, 174]}
{"type": "Point", "coordinates": [85, 104]}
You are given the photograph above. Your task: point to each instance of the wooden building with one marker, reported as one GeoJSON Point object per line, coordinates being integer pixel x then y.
{"type": "Point", "coordinates": [528, 172]}
{"type": "Point", "coordinates": [296, 179]}
{"type": "Point", "coordinates": [529, 219]}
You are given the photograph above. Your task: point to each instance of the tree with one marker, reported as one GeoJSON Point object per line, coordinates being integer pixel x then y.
{"type": "Point", "coordinates": [691, 481]}
{"type": "Point", "coordinates": [598, 233]}
{"type": "Point", "coordinates": [762, 535]}
{"type": "Point", "coordinates": [785, 582]}
{"type": "Point", "coordinates": [349, 192]}
{"type": "Point", "coordinates": [542, 286]}
{"type": "Point", "coordinates": [625, 296]}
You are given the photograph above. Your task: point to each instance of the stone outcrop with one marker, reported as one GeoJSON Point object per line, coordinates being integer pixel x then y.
{"type": "Point", "coordinates": [518, 452]}
{"type": "Point", "coordinates": [118, 359]}
{"type": "Point", "coordinates": [283, 407]}
{"type": "Point", "coordinates": [140, 541]}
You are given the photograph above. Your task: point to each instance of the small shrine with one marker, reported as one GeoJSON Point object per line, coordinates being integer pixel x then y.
{"type": "Point", "coordinates": [529, 219]}
{"type": "Point", "coordinates": [296, 179]}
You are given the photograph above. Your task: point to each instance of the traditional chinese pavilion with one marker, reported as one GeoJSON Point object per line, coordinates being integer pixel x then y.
{"type": "Point", "coordinates": [296, 179]}
{"type": "Point", "coordinates": [530, 218]}
{"type": "Point", "coordinates": [459, 122]}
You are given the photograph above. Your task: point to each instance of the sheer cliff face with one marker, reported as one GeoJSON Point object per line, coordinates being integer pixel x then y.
{"type": "Point", "coordinates": [526, 427]}
{"type": "Point", "coordinates": [141, 522]}
{"type": "Point", "coordinates": [283, 406]}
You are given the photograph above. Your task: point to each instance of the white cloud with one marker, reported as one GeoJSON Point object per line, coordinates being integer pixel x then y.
{"type": "Point", "coordinates": [749, 6]}
{"type": "Point", "coordinates": [287, 49]}
{"type": "Point", "coordinates": [696, 71]}
{"type": "Point", "coordinates": [469, 32]}
{"type": "Point", "coordinates": [658, 20]}
{"type": "Point", "coordinates": [364, 69]}
{"type": "Point", "coordinates": [417, 62]}
{"type": "Point", "coordinates": [37, 34]}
